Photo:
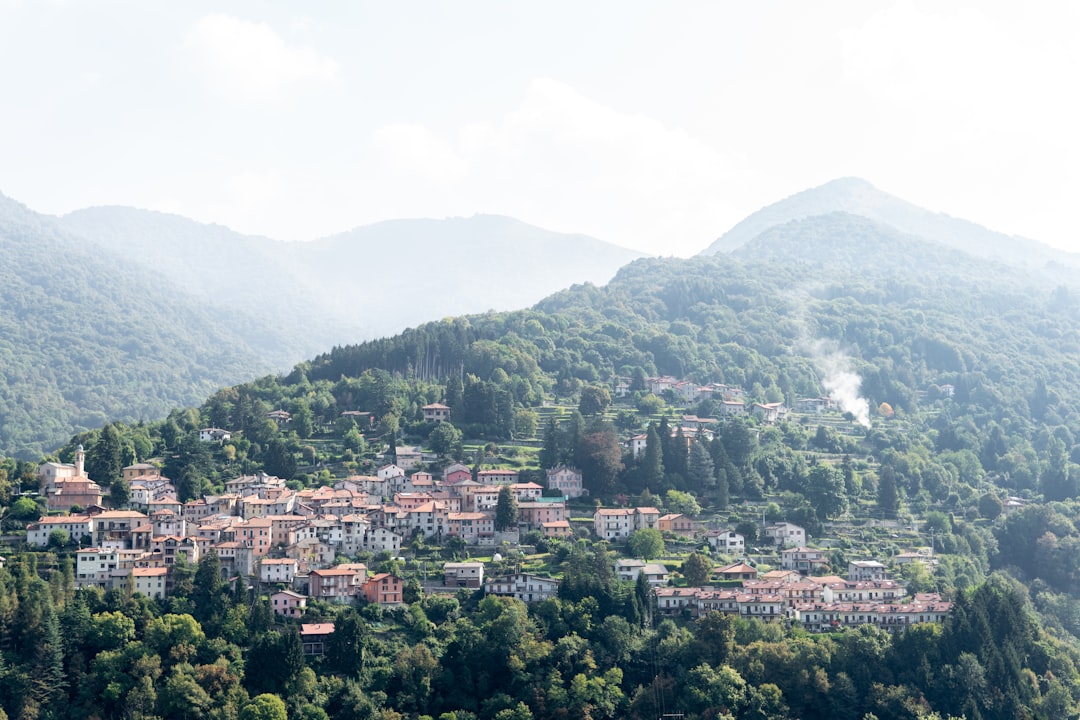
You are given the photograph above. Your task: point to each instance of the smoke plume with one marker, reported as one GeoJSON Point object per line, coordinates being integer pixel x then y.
{"type": "Point", "coordinates": [841, 383]}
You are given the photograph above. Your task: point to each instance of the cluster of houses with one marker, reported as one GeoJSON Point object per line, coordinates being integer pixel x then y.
{"type": "Point", "coordinates": [261, 528]}
{"type": "Point", "coordinates": [819, 603]}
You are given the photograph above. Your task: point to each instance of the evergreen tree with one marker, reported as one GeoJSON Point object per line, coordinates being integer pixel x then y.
{"type": "Point", "coordinates": [652, 463]}
{"type": "Point", "coordinates": [888, 497]}
{"type": "Point", "coordinates": [104, 459]}
{"type": "Point", "coordinates": [701, 475]}
{"type": "Point", "coordinates": [47, 663]}
{"type": "Point", "coordinates": [696, 569]}
{"type": "Point", "coordinates": [550, 453]}
{"type": "Point", "coordinates": [506, 514]}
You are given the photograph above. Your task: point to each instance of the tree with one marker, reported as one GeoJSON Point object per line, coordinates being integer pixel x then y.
{"type": "Point", "coordinates": [445, 439]}
{"type": "Point", "coordinates": [264, 707]}
{"type": "Point", "coordinates": [506, 513]}
{"type": "Point", "coordinates": [990, 506]}
{"type": "Point", "coordinates": [646, 543]}
{"type": "Point", "coordinates": [888, 498]}
{"type": "Point", "coordinates": [104, 459]}
{"type": "Point", "coordinates": [825, 489]}
{"type": "Point", "coordinates": [58, 539]}
{"type": "Point", "coordinates": [701, 474]}
{"type": "Point", "coordinates": [120, 493]}
{"type": "Point", "coordinates": [600, 459]}
{"type": "Point", "coordinates": [525, 421]}
{"type": "Point", "coordinates": [550, 453]}
{"type": "Point", "coordinates": [346, 647]}
{"type": "Point", "coordinates": [280, 459]}
{"type": "Point", "coordinates": [652, 463]}
{"type": "Point", "coordinates": [677, 501]}
{"type": "Point", "coordinates": [595, 399]}
{"type": "Point", "coordinates": [696, 569]}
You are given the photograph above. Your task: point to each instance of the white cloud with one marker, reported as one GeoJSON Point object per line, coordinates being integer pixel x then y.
{"type": "Point", "coordinates": [564, 161]}
{"type": "Point", "coordinates": [408, 149]}
{"type": "Point", "coordinates": [249, 62]}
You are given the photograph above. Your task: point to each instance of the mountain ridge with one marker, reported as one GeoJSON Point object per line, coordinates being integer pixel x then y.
{"type": "Point", "coordinates": [859, 197]}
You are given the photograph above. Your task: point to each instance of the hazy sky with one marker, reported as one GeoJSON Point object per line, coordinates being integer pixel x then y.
{"type": "Point", "coordinates": [653, 125]}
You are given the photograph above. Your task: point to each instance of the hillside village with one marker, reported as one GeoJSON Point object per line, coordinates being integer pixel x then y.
{"type": "Point", "coordinates": [295, 545]}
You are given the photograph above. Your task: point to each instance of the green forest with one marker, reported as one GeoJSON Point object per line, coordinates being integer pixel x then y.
{"type": "Point", "coordinates": [968, 370]}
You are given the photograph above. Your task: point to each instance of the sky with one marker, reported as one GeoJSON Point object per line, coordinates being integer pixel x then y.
{"type": "Point", "coordinates": [652, 125]}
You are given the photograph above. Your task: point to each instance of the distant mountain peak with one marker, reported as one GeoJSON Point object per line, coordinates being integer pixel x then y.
{"type": "Point", "coordinates": [857, 196]}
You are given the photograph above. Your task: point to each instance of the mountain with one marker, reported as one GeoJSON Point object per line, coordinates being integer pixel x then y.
{"type": "Point", "coordinates": [121, 314]}
{"type": "Point", "coordinates": [858, 197]}
{"type": "Point", "coordinates": [360, 284]}
{"type": "Point", "coordinates": [86, 336]}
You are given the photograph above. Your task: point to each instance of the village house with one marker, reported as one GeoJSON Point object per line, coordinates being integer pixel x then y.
{"type": "Point", "coordinates": [803, 559]}
{"type": "Point", "coordinates": [149, 582]}
{"type": "Point", "coordinates": [677, 524]}
{"type": "Point", "coordinates": [556, 529]}
{"type": "Point", "coordinates": [212, 434]}
{"type": "Point", "coordinates": [288, 603]}
{"type": "Point", "coordinates": [313, 637]}
{"type": "Point", "coordinates": [732, 408]}
{"type": "Point", "coordinates": [436, 413]}
{"type": "Point", "coordinates": [453, 474]}
{"type": "Point", "coordinates": [567, 481]}
{"type": "Point", "coordinates": [629, 569]}
{"type": "Point", "coordinates": [383, 589]}
{"type": "Point", "coordinates": [524, 587]}
{"type": "Point", "coordinates": [77, 527]}
{"type": "Point", "coordinates": [728, 542]}
{"type": "Point", "coordinates": [93, 566]}
{"type": "Point", "coordinates": [533, 514]}
{"type": "Point", "coordinates": [815, 406]}
{"type": "Point", "coordinates": [278, 570]}
{"type": "Point", "coordinates": [114, 527]}
{"type": "Point", "coordinates": [770, 413]}
{"type": "Point", "coordinates": [472, 527]}
{"type": "Point", "coordinates": [463, 574]}
{"type": "Point", "coordinates": [144, 471]}
{"type": "Point", "coordinates": [866, 591]}
{"type": "Point", "coordinates": [147, 489]}
{"type": "Point", "coordinates": [497, 477]}
{"type": "Point", "coordinates": [784, 534]}
{"type": "Point", "coordinates": [865, 570]}
{"type": "Point", "coordinates": [332, 584]}
{"type": "Point", "coordinates": [617, 524]}
{"type": "Point", "coordinates": [735, 571]}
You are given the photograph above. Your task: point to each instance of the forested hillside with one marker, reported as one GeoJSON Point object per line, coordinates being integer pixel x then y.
{"type": "Point", "coordinates": [86, 338]}
{"type": "Point", "coordinates": [956, 443]}
{"type": "Point", "coordinates": [116, 313]}
{"type": "Point", "coordinates": [356, 285]}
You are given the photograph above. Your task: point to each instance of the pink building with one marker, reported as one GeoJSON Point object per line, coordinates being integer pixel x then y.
{"type": "Point", "coordinates": [288, 603]}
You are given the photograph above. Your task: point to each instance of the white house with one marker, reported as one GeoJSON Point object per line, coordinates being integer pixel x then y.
{"type": "Point", "coordinates": [726, 541]}
{"type": "Point", "coordinates": [785, 534]}
{"type": "Point", "coordinates": [524, 587]}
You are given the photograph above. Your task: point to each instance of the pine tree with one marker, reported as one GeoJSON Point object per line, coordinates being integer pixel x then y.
{"type": "Point", "coordinates": [701, 475]}
{"type": "Point", "coordinates": [888, 498]}
{"type": "Point", "coordinates": [104, 459]}
{"type": "Point", "coordinates": [652, 464]}
{"type": "Point", "coordinates": [550, 454]}
{"type": "Point", "coordinates": [506, 510]}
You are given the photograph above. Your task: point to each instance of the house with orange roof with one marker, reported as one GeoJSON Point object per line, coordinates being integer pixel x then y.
{"type": "Point", "coordinates": [314, 636]}
{"type": "Point", "coordinates": [383, 589]}
{"type": "Point", "coordinates": [278, 570]}
{"type": "Point", "coordinates": [335, 584]}
{"type": "Point", "coordinates": [436, 413]}
{"type": "Point", "coordinates": [150, 581]}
